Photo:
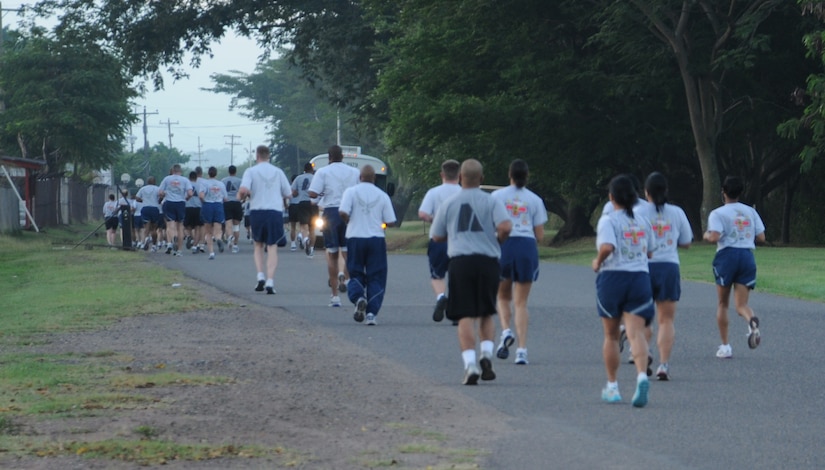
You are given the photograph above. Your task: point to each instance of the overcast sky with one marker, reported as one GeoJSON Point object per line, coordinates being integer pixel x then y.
{"type": "Point", "coordinates": [195, 114]}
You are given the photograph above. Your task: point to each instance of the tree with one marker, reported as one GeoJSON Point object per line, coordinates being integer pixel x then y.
{"type": "Point", "coordinates": [160, 159]}
{"type": "Point", "coordinates": [66, 102]}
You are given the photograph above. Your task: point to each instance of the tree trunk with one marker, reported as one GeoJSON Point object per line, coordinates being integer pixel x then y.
{"type": "Point", "coordinates": [787, 208]}
{"type": "Point", "coordinates": [576, 225]}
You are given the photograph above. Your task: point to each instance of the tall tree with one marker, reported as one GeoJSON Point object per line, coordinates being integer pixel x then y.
{"type": "Point", "coordinates": [66, 102]}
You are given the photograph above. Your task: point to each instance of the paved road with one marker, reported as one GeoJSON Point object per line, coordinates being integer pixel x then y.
{"type": "Point", "coordinates": [761, 409]}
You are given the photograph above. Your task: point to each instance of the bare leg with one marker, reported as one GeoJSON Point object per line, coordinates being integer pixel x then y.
{"type": "Point", "coordinates": [610, 347]}
{"type": "Point", "coordinates": [723, 294]}
{"type": "Point", "coordinates": [741, 293]}
{"type": "Point", "coordinates": [466, 335]}
{"type": "Point", "coordinates": [271, 261]}
{"type": "Point", "coordinates": [332, 270]}
{"type": "Point", "coordinates": [636, 334]}
{"type": "Point", "coordinates": [666, 310]}
{"type": "Point", "coordinates": [505, 296]}
{"type": "Point", "coordinates": [521, 291]}
{"type": "Point", "coordinates": [439, 286]}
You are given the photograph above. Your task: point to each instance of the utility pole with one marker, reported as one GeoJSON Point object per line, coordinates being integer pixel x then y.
{"type": "Point", "coordinates": [169, 127]}
{"type": "Point", "coordinates": [146, 143]}
{"type": "Point", "coordinates": [200, 159]}
{"type": "Point", "coordinates": [232, 145]}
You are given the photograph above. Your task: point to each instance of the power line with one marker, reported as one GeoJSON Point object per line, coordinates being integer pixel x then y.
{"type": "Point", "coordinates": [232, 145]}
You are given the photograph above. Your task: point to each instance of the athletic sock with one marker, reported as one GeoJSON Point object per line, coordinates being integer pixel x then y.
{"type": "Point", "coordinates": [261, 276]}
{"type": "Point", "coordinates": [269, 283]}
{"type": "Point", "coordinates": [469, 357]}
{"type": "Point", "coordinates": [613, 385]}
{"type": "Point", "coordinates": [487, 348]}
{"type": "Point", "coordinates": [641, 377]}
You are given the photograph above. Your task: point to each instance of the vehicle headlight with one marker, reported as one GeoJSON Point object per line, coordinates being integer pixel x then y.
{"type": "Point", "coordinates": [319, 223]}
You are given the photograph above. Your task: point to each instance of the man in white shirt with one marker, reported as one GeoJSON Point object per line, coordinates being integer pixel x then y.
{"type": "Point", "coordinates": [175, 190]}
{"type": "Point", "coordinates": [329, 184]}
{"type": "Point", "coordinates": [266, 186]}
{"type": "Point", "coordinates": [365, 208]}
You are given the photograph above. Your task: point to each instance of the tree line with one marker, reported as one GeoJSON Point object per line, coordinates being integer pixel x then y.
{"type": "Point", "coordinates": [581, 89]}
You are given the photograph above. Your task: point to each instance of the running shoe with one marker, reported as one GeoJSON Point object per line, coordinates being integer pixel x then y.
{"type": "Point", "coordinates": [260, 286]}
{"type": "Point", "coordinates": [370, 320]}
{"type": "Point", "coordinates": [211, 255]}
{"type": "Point", "coordinates": [487, 368]}
{"type": "Point", "coordinates": [342, 285]}
{"type": "Point", "coordinates": [640, 397]}
{"type": "Point", "coordinates": [235, 249]}
{"type": "Point", "coordinates": [300, 241]}
{"type": "Point", "coordinates": [202, 249]}
{"type": "Point", "coordinates": [194, 250]}
{"type": "Point", "coordinates": [611, 395]}
{"type": "Point", "coordinates": [649, 366]}
{"type": "Point", "coordinates": [521, 357]}
{"type": "Point", "coordinates": [662, 372]}
{"type": "Point", "coordinates": [754, 337]}
{"type": "Point", "coordinates": [220, 245]}
{"type": "Point", "coordinates": [231, 240]}
{"type": "Point", "coordinates": [169, 249]}
{"type": "Point", "coordinates": [334, 301]}
{"type": "Point", "coordinates": [360, 310]}
{"type": "Point", "coordinates": [724, 351]}
{"type": "Point", "coordinates": [270, 290]}
{"type": "Point", "coordinates": [471, 375]}
{"type": "Point", "coordinates": [293, 247]}
{"type": "Point", "coordinates": [503, 351]}
{"type": "Point", "coordinates": [311, 252]}
{"type": "Point", "coordinates": [178, 253]}
{"type": "Point", "coordinates": [440, 307]}
{"type": "Point", "coordinates": [308, 250]}
{"type": "Point", "coordinates": [188, 242]}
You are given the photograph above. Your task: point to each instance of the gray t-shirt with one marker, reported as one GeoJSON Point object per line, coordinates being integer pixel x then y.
{"type": "Point", "coordinates": [469, 221]}
{"type": "Point", "coordinates": [233, 183]}
{"type": "Point", "coordinates": [301, 184]}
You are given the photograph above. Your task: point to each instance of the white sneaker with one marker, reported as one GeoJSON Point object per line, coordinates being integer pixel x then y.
{"type": "Point", "coordinates": [293, 247]}
{"type": "Point", "coordinates": [724, 351]}
{"type": "Point", "coordinates": [521, 356]}
{"type": "Point", "coordinates": [335, 301]}
{"type": "Point", "coordinates": [370, 320]}
{"type": "Point", "coordinates": [211, 255]}
{"type": "Point", "coordinates": [311, 252]}
{"type": "Point", "coordinates": [300, 241]}
{"type": "Point", "coordinates": [342, 284]}
{"type": "Point", "coordinates": [235, 249]}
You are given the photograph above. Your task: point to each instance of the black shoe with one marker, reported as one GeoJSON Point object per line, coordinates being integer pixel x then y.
{"type": "Point", "coordinates": [487, 369]}
{"type": "Point", "coordinates": [270, 290]}
{"type": "Point", "coordinates": [754, 336]}
{"type": "Point", "coordinates": [440, 306]}
{"type": "Point", "coordinates": [649, 364]}
{"type": "Point", "coordinates": [622, 340]}
{"type": "Point", "coordinates": [260, 286]}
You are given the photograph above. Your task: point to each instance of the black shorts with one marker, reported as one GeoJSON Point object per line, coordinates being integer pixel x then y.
{"type": "Point", "coordinates": [472, 286]}
{"type": "Point", "coordinates": [293, 213]}
{"type": "Point", "coordinates": [306, 212]}
{"type": "Point", "coordinates": [233, 210]}
{"type": "Point", "coordinates": [193, 217]}
{"type": "Point", "coordinates": [111, 223]}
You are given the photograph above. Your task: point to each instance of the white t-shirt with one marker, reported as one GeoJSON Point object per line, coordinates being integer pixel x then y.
{"type": "Point", "coordinates": [525, 208]}
{"type": "Point", "coordinates": [110, 209]}
{"type": "Point", "coordinates": [641, 204]}
{"type": "Point", "coordinates": [436, 196]}
{"type": "Point", "coordinates": [267, 186]}
{"type": "Point", "coordinates": [175, 188]}
{"type": "Point", "coordinates": [213, 190]}
{"type": "Point", "coordinates": [368, 208]}
{"type": "Point", "coordinates": [670, 229]}
{"type": "Point", "coordinates": [630, 237]}
{"type": "Point", "coordinates": [738, 224]}
{"type": "Point", "coordinates": [149, 195]}
{"type": "Point", "coordinates": [331, 181]}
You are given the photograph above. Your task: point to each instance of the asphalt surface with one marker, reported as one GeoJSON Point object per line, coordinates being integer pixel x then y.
{"type": "Point", "coordinates": [760, 409]}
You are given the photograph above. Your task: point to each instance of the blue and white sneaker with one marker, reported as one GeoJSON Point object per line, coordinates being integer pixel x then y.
{"type": "Point", "coordinates": [611, 395]}
{"type": "Point", "coordinates": [370, 320]}
{"type": "Point", "coordinates": [640, 397]}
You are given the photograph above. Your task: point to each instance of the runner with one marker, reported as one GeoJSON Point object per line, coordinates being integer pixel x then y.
{"type": "Point", "coordinates": [175, 190]}
{"type": "Point", "coordinates": [192, 222]}
{"type": "Point", "coordinates": [233, 209]}
{"type": "Point", "coordinates": [266, 187]}
{"type": "Point", "coordinates": [519, 258]}
{"type": "Point", "coordinates": [671, 230]}
{"type": "Point", "coordinates": [110, 210]}
{"type": "Point", "coordinates": [365, 208]}
{"type": "Point", "coordinates": [329, 183]}
{"type": "Point", "coordinates": [735, 227]}
{"type": "Point", "coordinates": [213, 196]}
{"type": "Point", "coordinates": [148, 195]}
{"type": "Point", "coordinates": [473, 224]}
{"type": "Point", "coordinates": [623, 291]}
{"type": "Point", "coordinates": [306, 210]}
{"type": "Point", "coordinates": [437, 251]}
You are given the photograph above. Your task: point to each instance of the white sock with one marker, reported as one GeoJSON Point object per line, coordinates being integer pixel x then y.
{"type": "Point", "coordinates": [439, 296]}
{"type": "Point", "coordinates": [487, 348]}
{"type": "Point", "coordinates": [469, 357]}
{"type": "Point", "coordinates": [270, 283]}
{"type": "Point", "coordinates": [641, 377]}
{"type": "Point", "coordinates": [613, 385]}
{"type": "Point", "coordinates": [506, 333]}
{"type": "Point", "coordinates": [261, 276]}
{"type": "Point", "coordinates": [521, 350]}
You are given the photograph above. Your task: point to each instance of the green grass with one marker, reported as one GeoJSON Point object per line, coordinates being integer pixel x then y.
{"type": "Point", "coordinates": [787, 271]}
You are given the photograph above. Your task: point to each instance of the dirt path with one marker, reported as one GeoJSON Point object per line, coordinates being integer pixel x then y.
{"type": "Point", "coordinates": [294, 386]}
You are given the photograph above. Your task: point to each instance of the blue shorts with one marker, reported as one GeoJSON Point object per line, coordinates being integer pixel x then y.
{"type": "Point", "coordinates": [267, 226]}
{"type": "Point", "coordinates": [174, 211]}
{"type": "Point", "coordinates": [735, 266]}
{"type": "Point", "coordinates": [150, 215]}
{"type": "Point", "coordinates": [520, 259]}
{"type": "Point", "coordinates": [618, 292]}
{"type": "Point", "coordinates": [137, 220]}
{"type": "Point", "coordinates": [439, 261]}
{"type": "Point", "coordinates": [665, 281]}
{"type": "Point", "coordinates": [335, 230]}
{"type": "Point", "coordinates": [212, 213]}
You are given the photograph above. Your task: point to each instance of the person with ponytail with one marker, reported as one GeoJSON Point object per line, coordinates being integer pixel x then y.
{"type": "Point", "coordinates": [671, 230]}
{"type": "Point", "coordinates": [519, 258]}
{"type": "Point", "coordinates": [623, 244]}
{"type": "Point", "coordinates": [735, 227]}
